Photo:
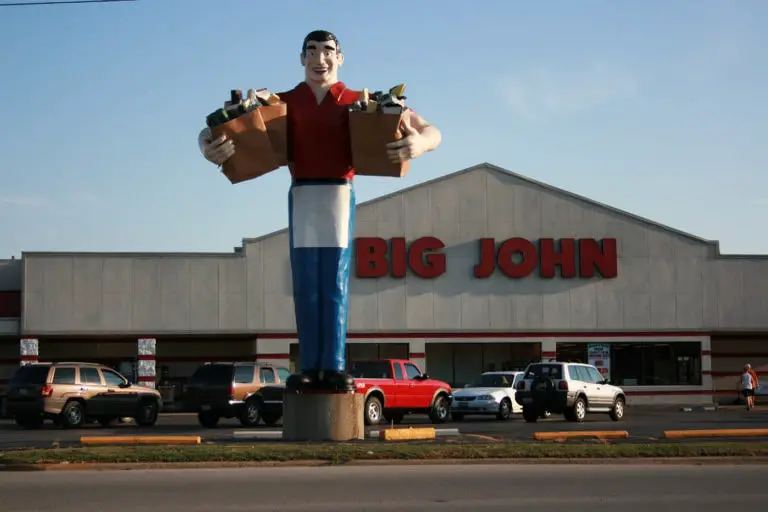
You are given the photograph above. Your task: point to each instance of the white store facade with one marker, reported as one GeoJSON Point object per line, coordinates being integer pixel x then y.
{"type": "Point", "coordinates": [479, 270]}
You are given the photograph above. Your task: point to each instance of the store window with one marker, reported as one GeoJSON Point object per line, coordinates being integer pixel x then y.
{"type": "Point", "coordinates": [572, 352]}
{"type": "Point", "coordinates": [461, 363]}
{"type": "Point", "coordinates": [639, 364]}
{"type": "Point", "coordinates": [656, 364]}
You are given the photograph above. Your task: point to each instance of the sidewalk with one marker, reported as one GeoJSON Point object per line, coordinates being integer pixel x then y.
{"type": "Point", "coordinates": [742, 407]}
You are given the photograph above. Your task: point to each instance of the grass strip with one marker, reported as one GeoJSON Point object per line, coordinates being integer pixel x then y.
{"type": "Point", "coordinates": [341, 453]}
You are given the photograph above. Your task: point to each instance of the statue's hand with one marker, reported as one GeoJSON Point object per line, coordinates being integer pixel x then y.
{"type": "Point", "coordinates": [216, 151]}
{"type": "Point", "coordinates": [409, 147]}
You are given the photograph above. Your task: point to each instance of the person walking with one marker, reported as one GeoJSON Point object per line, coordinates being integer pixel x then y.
{"type": "Point", "coordinates": [748, 387]}
{"type": "Point", "coordinates": [753, 373]}
{"type": "Point", "coordinates": [755, 382]}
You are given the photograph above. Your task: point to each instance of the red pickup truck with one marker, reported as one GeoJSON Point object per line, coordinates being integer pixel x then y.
{"type": "Point", "coordinates": [396, 387]}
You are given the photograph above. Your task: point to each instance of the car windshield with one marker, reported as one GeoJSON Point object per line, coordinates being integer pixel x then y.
{"type": "Point", "coordinates": [492, 381]}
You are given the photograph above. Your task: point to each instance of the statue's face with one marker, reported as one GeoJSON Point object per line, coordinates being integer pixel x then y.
{"type": "Point", "coordinates": [321, 61]}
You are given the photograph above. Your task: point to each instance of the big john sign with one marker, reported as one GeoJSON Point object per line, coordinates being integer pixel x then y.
{"type": "Point", "coordinates": [516, 258]}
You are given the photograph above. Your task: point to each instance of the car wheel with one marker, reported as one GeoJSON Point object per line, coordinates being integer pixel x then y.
{"type": "Point", "coordinates": [73, 415]}
{"type": "Point", "coordinates": [440, 410]}
{"type": "Point", "coordinates": [579, 411]}
{"type": "Point", "coordinates": [617, 412]}
{"type": "Point", "coordinates": [455, 416]}
{"type": "Point", "coordinates": [372, 411]}
{"type": "Point", "coordinates": [505, 410]}
{"type": "Point", "coordinates": [208, 419]}
{"type": "Point", "coordinates": [250, 415]}
{"type": "Point", "coordinates": [530, 415]}
{"type": "Point", "coordinates": [147, 414]}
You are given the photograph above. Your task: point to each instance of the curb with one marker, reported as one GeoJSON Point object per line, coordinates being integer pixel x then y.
{"type": "Point", "coordinates": [258, 434]}
{"type": "Point", "coordinates": [714, 460]}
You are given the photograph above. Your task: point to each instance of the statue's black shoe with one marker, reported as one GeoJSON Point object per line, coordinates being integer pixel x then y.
{"type": "Point", "coordinates": [337, 381]}
{"type": "Point", "coordinates": [299, 382]}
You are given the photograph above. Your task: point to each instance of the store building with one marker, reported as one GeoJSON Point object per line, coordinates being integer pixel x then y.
{"type": "Point", "coordinates": [479, 270]}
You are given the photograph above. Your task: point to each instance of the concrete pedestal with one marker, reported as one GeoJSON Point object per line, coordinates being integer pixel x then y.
{"type": "Point", "coordinates": [323, 417]}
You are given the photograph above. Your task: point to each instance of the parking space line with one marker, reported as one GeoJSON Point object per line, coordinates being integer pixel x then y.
{"type": "Point", "coordinates": [480, 436]}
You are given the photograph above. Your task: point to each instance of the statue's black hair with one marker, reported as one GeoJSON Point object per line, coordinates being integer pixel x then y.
{"type": "Point", "coordinates": [320, 36]}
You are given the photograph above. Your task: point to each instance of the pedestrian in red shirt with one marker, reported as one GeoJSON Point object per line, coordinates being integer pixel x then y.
{"type": "Point", "coordinates": [321, 205]}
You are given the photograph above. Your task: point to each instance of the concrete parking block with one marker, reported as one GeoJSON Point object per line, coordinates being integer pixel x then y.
{"type": "Point", "coordinates": [726, 432]}
{"type": "Point", "coordinates": [407, 434]}
{"type": "Point", "coordinates": [600, 434]}
{"type": "Point", "coordinates": [114, 440]}
{"type": "Point", "coordinates": [439, 432]}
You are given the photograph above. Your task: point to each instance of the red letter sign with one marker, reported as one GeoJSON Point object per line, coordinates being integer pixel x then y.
{"type": "Point", "coordinates": [371, 255]}
{"type": "Point", "coordinates": [487, 258]}
{"type": "Point", "coordinates": [435, 263]}
{"type": "Point", "coordinates": [528, 252]}
{"type": "Point", "coordinates": [374, 258]}
{"type": "Point", "coordinates": [398, 257]}
{"type": "Point", "coordinates": [565, 258]}
{"type": "Point", "coordinates": [604, 258]}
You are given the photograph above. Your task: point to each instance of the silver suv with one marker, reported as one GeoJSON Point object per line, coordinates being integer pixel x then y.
{"type": "Point", "coordinates": [572, 389]}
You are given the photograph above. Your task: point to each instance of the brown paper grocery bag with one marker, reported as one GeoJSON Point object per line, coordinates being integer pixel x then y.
{"type": "Point", "coordinates": [274, 117]}
{"type": "Point", "coordinates": [254, 152]}
{"type": "Point", "coordinates": [370, 134]}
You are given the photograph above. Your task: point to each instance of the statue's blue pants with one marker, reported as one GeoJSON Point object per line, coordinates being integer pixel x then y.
{"type": "Point", "coordinates": [321, 223]}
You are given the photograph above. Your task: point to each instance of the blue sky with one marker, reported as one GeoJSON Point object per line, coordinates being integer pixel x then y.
{"type": "Point", "coordinates": [658, 108]}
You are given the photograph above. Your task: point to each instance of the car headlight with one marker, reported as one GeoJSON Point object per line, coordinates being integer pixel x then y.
{"type": "Point", "coordinates": [485, 397]}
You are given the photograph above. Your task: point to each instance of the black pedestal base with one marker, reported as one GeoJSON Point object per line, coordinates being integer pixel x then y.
{"type": "Point", "coordinates": [333, 382]}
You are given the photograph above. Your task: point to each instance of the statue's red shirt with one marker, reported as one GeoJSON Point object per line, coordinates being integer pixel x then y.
{"type": "Point", "coordinates": [319, 144]}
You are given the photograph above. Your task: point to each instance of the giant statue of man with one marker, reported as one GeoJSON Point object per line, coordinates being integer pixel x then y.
{"type": "Point", "coordinates": [321, 205]}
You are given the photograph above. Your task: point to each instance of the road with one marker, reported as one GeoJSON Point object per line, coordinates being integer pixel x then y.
{"type": "Point", "coordinates": [643, 424]}
{"type": "Point", "coordinates": [542, 488]}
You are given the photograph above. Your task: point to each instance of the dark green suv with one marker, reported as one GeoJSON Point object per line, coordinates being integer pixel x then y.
{"type": "Point", "coordinates": [242, 390]}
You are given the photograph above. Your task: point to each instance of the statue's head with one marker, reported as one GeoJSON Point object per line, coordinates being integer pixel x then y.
{"type": "Point", "coordinates": [321, 57]}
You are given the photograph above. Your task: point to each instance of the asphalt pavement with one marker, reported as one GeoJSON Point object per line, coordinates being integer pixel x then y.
{"type": "Point", "coordinates": [643, 423]}
{"type": "Point", "coordinates": [575, 488]}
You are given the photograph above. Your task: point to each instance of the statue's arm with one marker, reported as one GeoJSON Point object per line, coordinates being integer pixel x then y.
{"type": "Point", "coordinates": [429, 132]}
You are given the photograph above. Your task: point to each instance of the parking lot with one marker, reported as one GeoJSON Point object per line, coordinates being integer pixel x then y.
{"type": "Point", "coordinates": [644, 424]}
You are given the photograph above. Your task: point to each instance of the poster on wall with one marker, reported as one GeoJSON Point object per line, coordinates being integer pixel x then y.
{"type": "Point", "coordinates": [599, 356]}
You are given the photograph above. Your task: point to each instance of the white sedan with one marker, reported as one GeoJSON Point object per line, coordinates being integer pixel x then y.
{"type": "Point", "coordinates": [491, 393]}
